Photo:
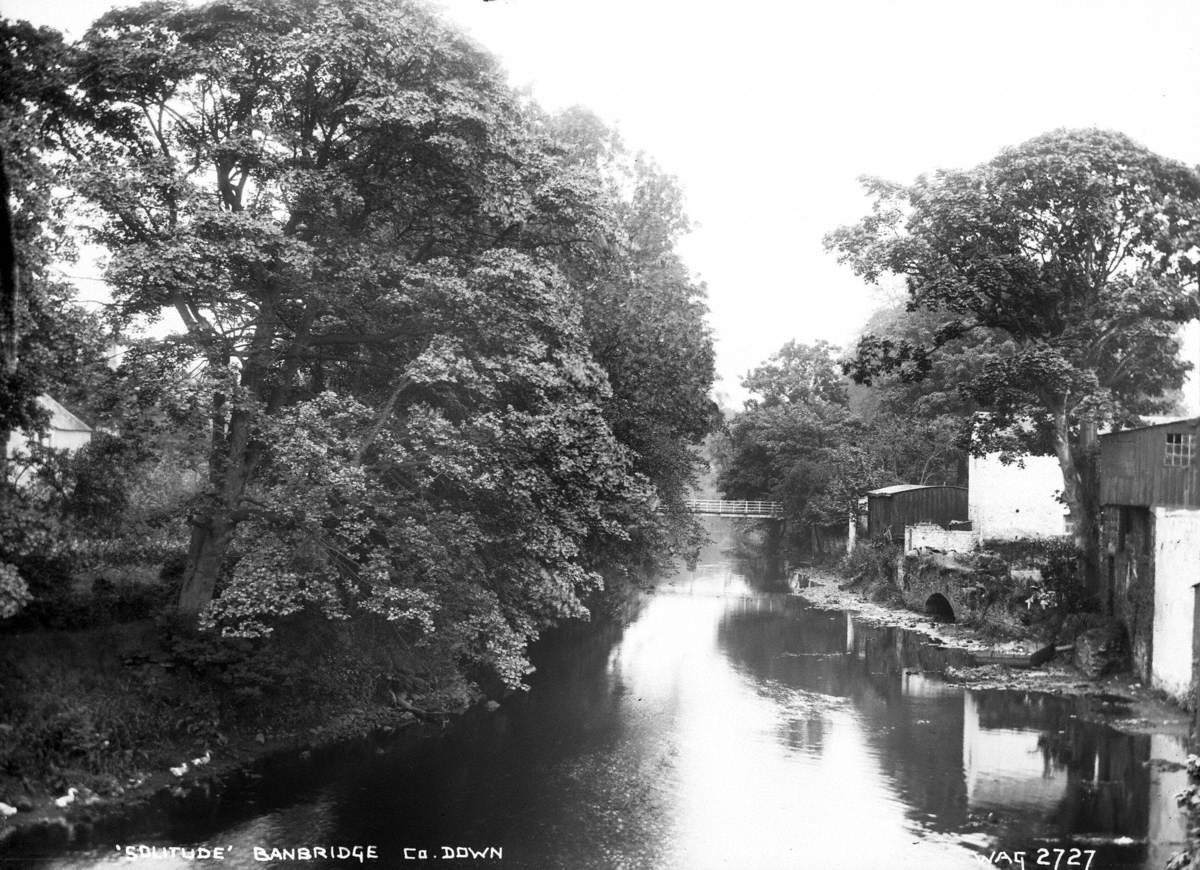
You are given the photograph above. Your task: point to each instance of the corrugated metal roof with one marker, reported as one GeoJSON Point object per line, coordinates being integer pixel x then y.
{"type": "Point", "coordinates": [899, 487]}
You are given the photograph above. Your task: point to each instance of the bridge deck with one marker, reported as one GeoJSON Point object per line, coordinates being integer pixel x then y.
{"type": "Point", "coordinates": [763, 510]}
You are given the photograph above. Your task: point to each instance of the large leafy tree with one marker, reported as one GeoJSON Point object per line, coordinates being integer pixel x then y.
{"type": "Point", "coordinates": [644, 315]}
{"type": "Point", "coordinates": [798, 374]}
{"type": "Point", "coordinates": [1073, 257]}
{"type": "Point", "coordinates": [923, 420]}
{"type": "Point", "coordinates": [287, 165]}
{"type": "Point", "coordinates": [392, 273]}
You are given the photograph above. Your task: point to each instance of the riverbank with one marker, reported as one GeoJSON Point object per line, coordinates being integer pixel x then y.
{"type": "Point", "coordinates": [661, 743]}
{"type": "Point", "coordinates": [125, 722]}
{"type": "Point", "coordinates": [100, 722]}
{"type": "Point", "coordinates": [1125, 704]}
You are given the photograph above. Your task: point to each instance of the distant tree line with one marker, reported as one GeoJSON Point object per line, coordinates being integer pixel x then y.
{"type": "Point", "coordinates": [815, 441]}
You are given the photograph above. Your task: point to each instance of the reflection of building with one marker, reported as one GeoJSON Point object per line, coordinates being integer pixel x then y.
{"type": "Point", "coordinates": [1150, 490]}
{"type": "Point", "coordinates": [1005, 768]}
{"type": "Point", "coordinates": [1030, 758]}
{"type": "Point", "coordinates": [1168, 821]}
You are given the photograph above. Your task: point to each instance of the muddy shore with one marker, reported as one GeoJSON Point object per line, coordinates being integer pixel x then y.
{"type": "Point", "coordinates": [1123, 703]}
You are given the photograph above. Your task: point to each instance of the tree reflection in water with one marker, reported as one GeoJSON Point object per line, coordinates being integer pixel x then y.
{"type": "Point", "coordinates": [1025, 768]}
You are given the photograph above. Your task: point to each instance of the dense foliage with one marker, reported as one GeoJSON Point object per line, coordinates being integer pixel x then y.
{"type": "Point", "coordinates": [1067, 263]}
{"type": "Point", "coordinates": [803, 441]}
{"type": "Point", "coordinates": [440, 368]}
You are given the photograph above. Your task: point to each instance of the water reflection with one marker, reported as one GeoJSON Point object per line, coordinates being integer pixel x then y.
{"type": "Point", "coordinates": [726, 727]}
{"type": "Point", "coordinates": [1009, 770]}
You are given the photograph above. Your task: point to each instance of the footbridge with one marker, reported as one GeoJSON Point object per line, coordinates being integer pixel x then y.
{"type": "Point", "coordinates": [757, 510]}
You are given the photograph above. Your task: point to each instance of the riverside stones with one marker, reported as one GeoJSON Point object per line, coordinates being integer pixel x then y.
{"type": "Point", "coordinates": [1100, 651]}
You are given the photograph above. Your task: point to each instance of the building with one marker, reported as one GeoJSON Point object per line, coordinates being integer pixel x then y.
{"type": "Point", "coordinates": [65, 431]}
{"type": "Point", "coordinates": [892, 508]}
{"type": "Point", "coordinates": [1150, 493]}
{"type": "Point", "coordinates": [1018, 500]}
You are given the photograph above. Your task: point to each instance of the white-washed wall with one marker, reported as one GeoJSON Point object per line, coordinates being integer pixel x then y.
{"type": "Point", "coordinates": [1176, 568]}
{"type": "Point", "coordinates": [1007, 502]}
{"type": "Point", "coordinates": [936, 538]}
{"type": "Point", "coordinates": [1189, 336]}
{"type": "Point", "coordinates": [60, 439]}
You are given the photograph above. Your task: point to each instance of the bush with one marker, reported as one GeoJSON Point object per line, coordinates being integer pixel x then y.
{"type": "Point", "coordinates": [1049, 602]}
{"type": "Point", "coordinates": [127, 602]}
{"type": "Point", "coordinates": [96, 497]}
{"type": "Point", "coordinates": [261, 677]}
{"type": "Point", "coordinates": [14, 593]}
{"type": "Point", "coordinates": [872, 562]}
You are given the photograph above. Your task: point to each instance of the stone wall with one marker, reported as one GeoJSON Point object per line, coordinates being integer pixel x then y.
{"type": "Point", "coordinates": [934, 537]}
{"type": "Point", "coordinates": [975, 586]}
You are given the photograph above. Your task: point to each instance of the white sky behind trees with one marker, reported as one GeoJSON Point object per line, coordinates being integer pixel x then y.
{"type": "Point", "coordinates": [768, 111]}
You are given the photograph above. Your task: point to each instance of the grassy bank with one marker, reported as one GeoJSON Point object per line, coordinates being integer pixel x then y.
{"type": "Point", "coordinates": [127, 709]}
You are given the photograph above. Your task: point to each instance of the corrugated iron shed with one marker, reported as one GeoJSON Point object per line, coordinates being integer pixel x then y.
{"type": "Point", "coordinates": [891, 508]}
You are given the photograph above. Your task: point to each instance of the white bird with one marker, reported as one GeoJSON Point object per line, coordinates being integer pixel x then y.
{"type": "Point", "coordinates": [203, 759]}
{"type": "Point", "coordinates": [181, 770]}
{"type": "Point", "coordinates": [6, 810]}
{"type": "Point", "coordinates": [67, 799]}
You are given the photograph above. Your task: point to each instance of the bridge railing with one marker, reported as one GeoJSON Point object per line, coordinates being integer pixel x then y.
{"type": "Point", "coordinates": [720, 507]}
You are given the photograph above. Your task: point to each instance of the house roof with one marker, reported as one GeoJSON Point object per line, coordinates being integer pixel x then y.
{"type": "Point", "coordinates": [60, 417]}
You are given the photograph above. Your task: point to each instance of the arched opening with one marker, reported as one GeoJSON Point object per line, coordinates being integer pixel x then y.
{"type": "Point", "coordinates": [938, 606]}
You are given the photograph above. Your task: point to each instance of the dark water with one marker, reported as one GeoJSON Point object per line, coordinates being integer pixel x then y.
{"type": "Point", "coordinates": [725, 728]}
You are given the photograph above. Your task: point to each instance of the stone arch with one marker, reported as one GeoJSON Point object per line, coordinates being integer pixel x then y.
{"type": "Point", "coordinates": [939, 607]}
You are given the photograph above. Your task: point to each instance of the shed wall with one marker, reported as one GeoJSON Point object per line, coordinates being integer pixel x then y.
{"type": "Point", "coordinates": [932, 504]}
{"type": "Point", "coordinates": [1133, 470]}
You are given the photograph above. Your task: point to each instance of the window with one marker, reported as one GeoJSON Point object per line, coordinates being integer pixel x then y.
{"type": "Point", "coordinates": [1179, 449]}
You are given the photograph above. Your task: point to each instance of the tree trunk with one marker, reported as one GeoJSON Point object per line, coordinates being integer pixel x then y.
{"type": "Point", "coordinates": [1078, 460]}
{"type": "Point", "coordinates": [1087, 527]}
{"type": "Point", "coordinates": [10, 291]}
{"type": "Point", "coordinates": [210, 543]}
{"type": "Point", "coordinates": [232, 461]}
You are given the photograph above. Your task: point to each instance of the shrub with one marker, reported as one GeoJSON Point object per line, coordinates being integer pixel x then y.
{"type": "Point", "coordinates": [14, 593]}
{"type": "Point", "coordinates": [872, 562]}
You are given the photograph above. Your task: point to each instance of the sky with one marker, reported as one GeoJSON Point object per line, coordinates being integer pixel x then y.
{"type": "Point", "coordinates": [767, 112]}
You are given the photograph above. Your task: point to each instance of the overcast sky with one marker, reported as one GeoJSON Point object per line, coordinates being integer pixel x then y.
{"type": "Point", "coordinates": [767, 112]}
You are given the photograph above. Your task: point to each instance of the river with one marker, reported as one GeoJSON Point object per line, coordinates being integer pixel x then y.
{"type": "Point", "coordinates": [726, 727]}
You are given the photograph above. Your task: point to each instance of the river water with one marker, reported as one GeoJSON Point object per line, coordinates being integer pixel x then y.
{"type": "Point", "coordinates": [726, 727]}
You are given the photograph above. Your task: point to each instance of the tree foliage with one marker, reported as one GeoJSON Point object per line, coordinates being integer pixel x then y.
{"type": "Point", "coordinates": [1072, 257]}
{"type": "Point", "coordinates": [48, 340]}
{"type": "Point", "coordinates": [801, 441]}
{"type": "Point", "coordinates": [439, 363]}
